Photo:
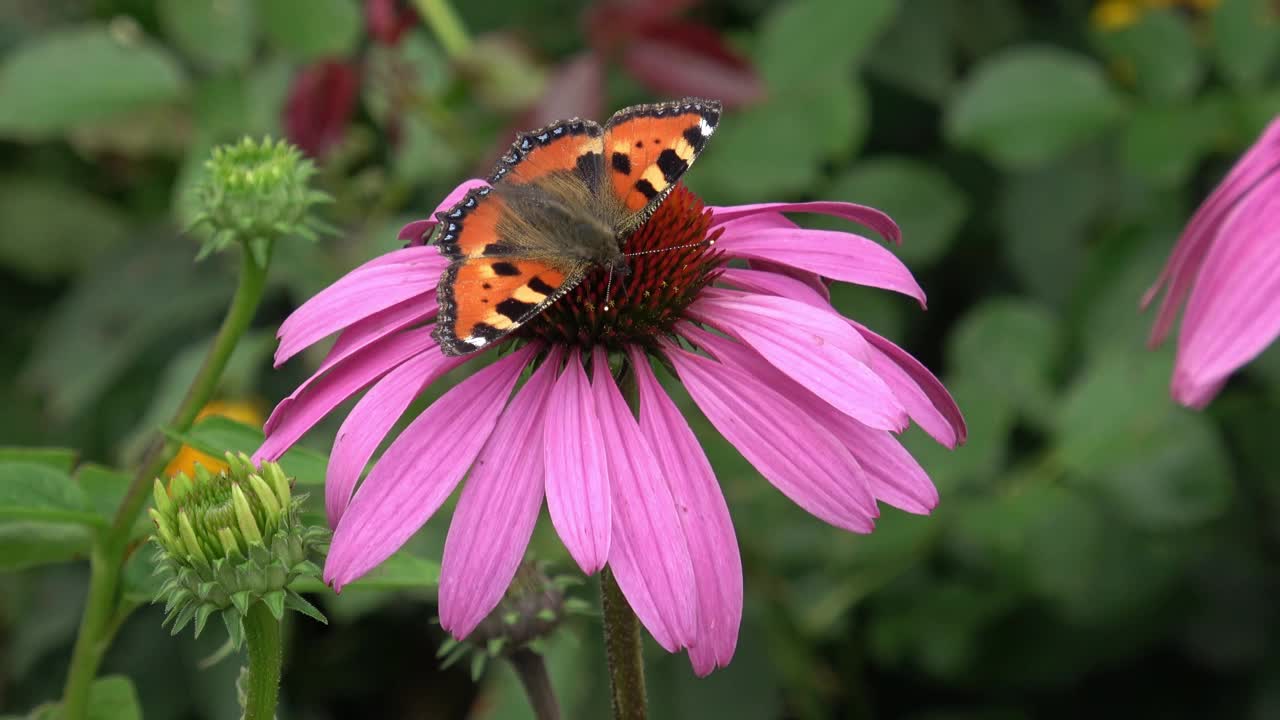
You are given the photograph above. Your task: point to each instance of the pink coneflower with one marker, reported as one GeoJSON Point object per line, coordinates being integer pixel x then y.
{"type": "Point", "coordinates": [810, 398]}
{"type": "Point", "coordinates": [1228, 261]}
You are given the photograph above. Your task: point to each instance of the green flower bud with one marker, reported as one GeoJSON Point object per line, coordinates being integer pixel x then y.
{"type": "Point", "coordinates": [229, 540]}
{"type": "Point", "coordinates": [533, 607]}
{"type": "Point", "coordinates": [255, 193]}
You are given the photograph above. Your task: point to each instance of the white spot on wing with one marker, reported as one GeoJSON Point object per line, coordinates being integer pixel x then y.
{"type": "Point", "coordinates": [476, 341]}
{"type": "Point", "coordinates": [705, 127]}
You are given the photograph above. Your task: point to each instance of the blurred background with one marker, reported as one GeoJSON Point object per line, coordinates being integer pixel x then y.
{"type": "Point", "coordinates": [1098, 551]}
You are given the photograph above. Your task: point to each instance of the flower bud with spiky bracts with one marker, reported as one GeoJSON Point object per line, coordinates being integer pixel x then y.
{"type": "Point", "coordinates": [229, 540]}
{"type": "Point", "coordinates": [256, 193]}
{"type": "Point", "coordinates": [532, 609]}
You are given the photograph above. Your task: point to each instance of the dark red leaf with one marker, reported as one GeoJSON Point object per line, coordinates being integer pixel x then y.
{"type": "Point", "coordinates": [321, 102]}
{"type": "Point", "coordinates": [387, 20]}
{"type": "Point", "coordinates": [679, 58]}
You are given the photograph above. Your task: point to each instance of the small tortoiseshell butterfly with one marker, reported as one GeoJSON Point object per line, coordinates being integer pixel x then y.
{"type": "Point", "coordinates": [560, 203]}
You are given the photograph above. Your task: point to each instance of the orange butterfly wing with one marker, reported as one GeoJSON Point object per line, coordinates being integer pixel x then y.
{"type": "Point", "coordinates": [648, 147]}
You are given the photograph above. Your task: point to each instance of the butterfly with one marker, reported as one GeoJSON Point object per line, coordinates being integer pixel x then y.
{"type": "Point", "coordinates": [559, 204]}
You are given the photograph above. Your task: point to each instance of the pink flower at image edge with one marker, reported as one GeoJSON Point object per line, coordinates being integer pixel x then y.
{"type": "Point", "coordinates": [1226, 267]}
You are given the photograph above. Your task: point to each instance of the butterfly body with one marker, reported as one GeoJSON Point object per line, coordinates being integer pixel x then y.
{"type": "Point", "coordinates": [560, 203]}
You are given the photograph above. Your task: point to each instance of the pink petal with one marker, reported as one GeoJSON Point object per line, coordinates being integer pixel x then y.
{"type": "Point", "coordinates": [578, 496]}
{"type": "Point", "coordinates": [789, 447]}
{"type": "Point", "coordinates": [370, 288]}
{"type": "Point", "coordinates": [649, 556]}
{"type": "Point", "coordinates": [924, 396]}
{"type": "Point", "coordinates": [861, 214]}
{"type": "Point", "coordinates": [318, 396]}
{"type": "Point", "coordinates": [379, 325]}
{"type": "Point", "coordinates": [893, 474]}
{"type": "Point", "coordinates": [837, 255]}
{"type": "Point", "coordinates": [1195, 241]}
{"type": "Point", "coordinates": [704, 516]}
{"type": "Point", "coordinates": [772, 283]}
{"type": "Point", "coordinates": [1232, 314]}
{"type": "Point", "coordinates": [816, 348]}
{"type": "Point", "coordinates": [416, 232]}
{"type": "Point", "coordinates": [499, 506]}
{"type": "Point", "coordinates": [370, 421]}
{"type": "Point", "coordinates": [420, 470]}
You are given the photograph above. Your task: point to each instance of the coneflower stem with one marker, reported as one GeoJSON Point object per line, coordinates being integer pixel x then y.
{"type": "Point", "coordinates": [262, 638]}
{"type": "Point", "coordinates": [532, 670]}
{"type": "Point", "coordinates": [624, 652]}
{"type": "Point", "coordinates": [446, 25]}
{"type": "Point", "coordinates": [111, 549]}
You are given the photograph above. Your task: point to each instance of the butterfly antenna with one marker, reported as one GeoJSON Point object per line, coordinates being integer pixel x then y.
{"type": "Point", "coordinates": [608, 288]}
{"type": "Point", "coordinates": [668, 249]}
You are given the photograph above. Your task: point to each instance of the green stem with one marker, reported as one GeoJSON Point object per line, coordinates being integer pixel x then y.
{"type": "Point", "coordinates": [446, 24]}
{"type": "Point", "coordinates": [262, 636]}
{"type": "Point", "coordinates": [107, 559]}
{"type": "Point", "coordinates": [624, 652]}
{"type": "Point", "coordinates": [532, 670]}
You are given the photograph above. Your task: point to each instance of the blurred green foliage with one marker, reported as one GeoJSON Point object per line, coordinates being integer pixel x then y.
{"type": "Point", "coordinates": [1098, 551]}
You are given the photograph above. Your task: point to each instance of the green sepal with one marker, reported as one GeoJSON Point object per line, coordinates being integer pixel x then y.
{"type": "Point", "coordinates": [183, 618]}
{"type": "Point", "coordinates": [294, 601]}
{"type": "Point", "coordinates": [202, 616]}
{"type": "Point", "coordinates": [274, 601]}
{"type": "Point", "coordinates": [235, 626]}
{"type": "Point", "coordinates": [240, 601]}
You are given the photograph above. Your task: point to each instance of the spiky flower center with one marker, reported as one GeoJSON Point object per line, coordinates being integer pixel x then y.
{"type": "Point", "coordinates": [677, 259]}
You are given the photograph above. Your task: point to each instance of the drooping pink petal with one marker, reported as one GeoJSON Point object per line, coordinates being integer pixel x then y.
{"type": "Point", "coordinates": [417, 231]}
{"type": "Point", "coordinates": [499, 506]}
{"type": "Point", "coordinates": [837, 255]}
{"type": "Point", "coordinates": [370, 421]}
{"type": "Point", "coordinates": [704, 516]}
{"type": "Point", "coordinates": [893, 474]}
{"type": "Point", "coordinates": [772, 283]}
{"type": "Point", "coordinates": [420, 470]}
{"type": "Point", "coordinates": [816, 348]}
{"type": "Point", "coordinates": [364, 333]}
{"type": "Point", "coordinates": [370, 288]}
{"type": "Point", "coordinates": [861, 214]}
{"type": "Point", "coordinates": [1232, 314]}
{"type": "Point", "coordinates": [578, 496]}
{"type": "Point", "coordinates": [308, 405]}
{"type": "Point", "coordinates": [649, 555]}
{"type": "Point", "coordinates": [789, 447]}
{"type": "Point", "coordinates": [708, 68]}
{"type": "Point", "coordinates": [924, 396]}
{"type": "Point", "coordinates": [1194, 243]}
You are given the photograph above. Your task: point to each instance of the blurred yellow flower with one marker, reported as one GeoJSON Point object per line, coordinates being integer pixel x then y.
{"type": "Point", "coordinates": [1111, 15]}
{"type": "Point", "coordinates": [185, 461]}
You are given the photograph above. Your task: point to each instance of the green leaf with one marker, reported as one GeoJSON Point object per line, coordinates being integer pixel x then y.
{"type": "Point", "coordinates": [401, 571]}
{"type": "Point", "coordinates": [39, 493]}
{"type": "Point", "coordinates": [25, 544]}
{"type": "Point", "coordinates": [114, 698]}
{"type": "Point", "coordinates": [309, 29]}
{"type": "Point", "coordinates": [1246, 37]}
{"type": "Point", "coordinates": [104, 489]}
{"type": "Point", "coordinates": [217, 435]}
{"type": "Point", "coordinates": [748, 162]}
{"type": "Point", "coordinates": [1029, 105]}
{"type": "Point", "coordinates": [1161, 51]}
{"type": "Point", "coordinates": [45, 88]}
{"type": "Point", "coordinates": [1010, 347]}
{"type": "Point", "coordinates": [45, 221]}
{"type": "Point", "coordinates": [140, 297]}
{"type": "Point", "coordinates": [217, 34]}
{"type": "Point", "coordinates": [925, 203]}
{"type": "Point", "coordinates": [809, 43]}
{"type": "Point", "coordinates": [1121, 436]}
{"type": "Point", "coordinates": [60, 459]}
{"type": "Point", "coordinates": [1046, 217]}
{"type": "Point", "coordinates": [1165, 144]}
{"type": "Point", "coordinates": [917, 53]}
